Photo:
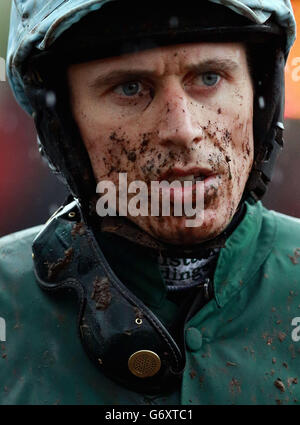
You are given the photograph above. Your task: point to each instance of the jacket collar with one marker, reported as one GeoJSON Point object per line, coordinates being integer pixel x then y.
{"type": "Point", "coordinates": [245, 251]}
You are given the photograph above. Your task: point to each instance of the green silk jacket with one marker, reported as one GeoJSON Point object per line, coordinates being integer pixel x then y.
{"type": "Point", "coordinates": [242, 347]}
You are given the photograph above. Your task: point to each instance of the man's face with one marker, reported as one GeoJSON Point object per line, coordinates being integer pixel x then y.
{"type": "Point", "coordinates": [176, 112]}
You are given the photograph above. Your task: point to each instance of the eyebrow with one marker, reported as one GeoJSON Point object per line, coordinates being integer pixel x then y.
{"type": "Point", "coordinates": [115, 77]}
{"type": "Point", "coordinates": [221, 65]}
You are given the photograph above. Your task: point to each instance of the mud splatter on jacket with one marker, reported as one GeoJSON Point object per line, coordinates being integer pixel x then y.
{"type": "Point", "coordinates": [239, 346]}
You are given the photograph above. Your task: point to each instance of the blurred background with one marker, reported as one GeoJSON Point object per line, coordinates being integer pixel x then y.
{"type": "Point", "coordinates": [29, 193]}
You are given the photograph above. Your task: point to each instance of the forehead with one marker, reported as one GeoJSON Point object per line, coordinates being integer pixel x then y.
{"type": "Point", "coordinates": [177, 58]}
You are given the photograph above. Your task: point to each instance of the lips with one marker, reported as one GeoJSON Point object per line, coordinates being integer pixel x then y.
{"type": "Point", "coordinates": [192, 174]}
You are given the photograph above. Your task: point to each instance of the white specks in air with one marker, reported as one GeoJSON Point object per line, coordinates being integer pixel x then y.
{"type": "Point", "coordinates": [261, 102]}
{"type": "Point", "coordinates": [52, 208]}
{"type": "Point", "coordinates": [50, 99]}
{"type": "Point", "coordinates": [174, 22]}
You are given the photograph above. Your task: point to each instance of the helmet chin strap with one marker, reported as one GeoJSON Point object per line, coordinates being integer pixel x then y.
{"type": "Point", "coordinates": [128, 230]}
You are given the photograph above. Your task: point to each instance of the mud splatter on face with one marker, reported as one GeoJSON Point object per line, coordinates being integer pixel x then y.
{"type": "Point", "coordinates": [173, 122]}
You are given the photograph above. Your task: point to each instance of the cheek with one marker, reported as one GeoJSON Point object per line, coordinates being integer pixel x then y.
{"type": "Point", "coordinates": [242, 155]}
{"type": "Point", "coordinates": [244, 146]}
{"type": "Point", "coordinates": [240, 127]}
{"type": "Point", "coordinates": [235, 137]}
{"type": "Point", "coordinates": [111, 150]}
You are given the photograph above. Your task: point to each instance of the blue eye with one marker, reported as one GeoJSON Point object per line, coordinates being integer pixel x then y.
{"type": "Point", "coordinates": [129, 89]}
{"type": "Point", "coordinates": [210, 79]}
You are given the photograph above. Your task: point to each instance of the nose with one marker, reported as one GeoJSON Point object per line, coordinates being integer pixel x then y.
{"type": "Point", "coordinates": [177, 123]}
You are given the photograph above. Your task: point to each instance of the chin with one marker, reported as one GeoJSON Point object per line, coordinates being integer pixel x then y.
{"type": "Point", "coordinates": [174, 230]}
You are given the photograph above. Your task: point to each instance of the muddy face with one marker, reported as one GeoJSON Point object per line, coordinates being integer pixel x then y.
{"type": "Point", "coordinates": [176, 109]}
